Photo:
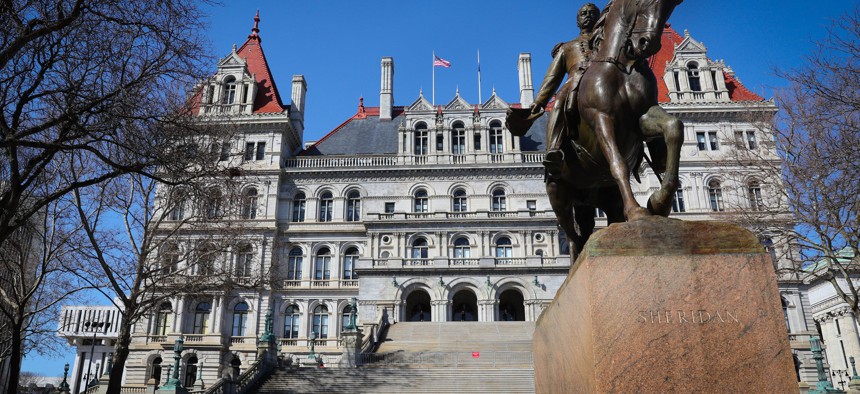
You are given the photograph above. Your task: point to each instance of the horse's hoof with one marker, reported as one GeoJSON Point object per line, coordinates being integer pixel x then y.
{"type": "Point", "coordinates": [637, 213]}
{"type": "Point", "coordinates": [659, 206]}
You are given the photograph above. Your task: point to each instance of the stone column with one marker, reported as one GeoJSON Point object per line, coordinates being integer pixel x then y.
{"type": "Point", "coordinates": [180, 314]}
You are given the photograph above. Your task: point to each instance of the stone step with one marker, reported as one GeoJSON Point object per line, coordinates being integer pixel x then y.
{"type": "Point", "coordinates": [458, 336]}
{"type": "Point", "coordinates": [391, 380]}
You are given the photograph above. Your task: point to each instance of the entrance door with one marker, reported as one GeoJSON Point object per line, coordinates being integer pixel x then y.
{"type": "Point", "coordinates": [464, 306]}
{"type": "Point", "coordinates": [511, 306]}
{"type": "Point", "coordinates": [418, 306]}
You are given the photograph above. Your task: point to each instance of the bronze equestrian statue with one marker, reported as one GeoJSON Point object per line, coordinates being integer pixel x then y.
{"type": "Point", "coordinates": [597, 127]}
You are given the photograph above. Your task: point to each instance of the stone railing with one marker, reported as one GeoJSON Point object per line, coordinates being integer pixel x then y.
{"type": "Point", "coordinates": [317, 162]}
{"type": "Point", "coordinates": [455, 262]}
{"type": "Point", "coordinates": [305, 342]}
{"type": "Point", "coordinates": [510, 261]}
{"type": "Point", "coordinates": [133, 390]}
{"type": "Point", "coordinates": [320, 283]}
{"type": "Point", "coordinates": [446, 216]}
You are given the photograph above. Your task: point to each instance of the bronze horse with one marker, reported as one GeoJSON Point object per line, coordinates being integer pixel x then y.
{"type": "Point", "coordinates": [617, 112]}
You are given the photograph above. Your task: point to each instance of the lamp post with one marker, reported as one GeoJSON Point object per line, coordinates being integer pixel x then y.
{"type": "Point", "coordinates": [173, 382]}
{"type": "Point", "coordinates": [95, 326]}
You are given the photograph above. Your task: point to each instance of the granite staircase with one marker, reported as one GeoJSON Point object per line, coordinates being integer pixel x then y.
{"type": "Point", "coordinates": [427, 357]}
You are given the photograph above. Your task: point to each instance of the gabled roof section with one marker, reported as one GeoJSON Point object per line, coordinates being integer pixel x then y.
{"type": "Point", "coordinates": [458, 103]}
{"type": "Point", "coordinates": [420, 104]}
{"type": "Point", "coordinates": [495, 102]}
{"type": "Point", "coordinates": [362, 134]}
{"type": "Point", "coordinates": [671, 42]}
{"type": "Point", "coordinates": [268, 100]}
{"type": "Point", "coordinates": [690, 45]}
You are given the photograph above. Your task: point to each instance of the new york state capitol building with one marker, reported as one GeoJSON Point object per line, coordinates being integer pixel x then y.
{"type": "Point", "coordinates": [421, 212]}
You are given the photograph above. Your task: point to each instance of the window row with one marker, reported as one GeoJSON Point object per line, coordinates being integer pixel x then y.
{"type": "Point", "coordinates": [321, 264]}
{"type": "Point", "coordinates": [212, 205]}
{"type": "Point", "coordinates": [238, 318]}
{"type": "Point", "coordinates": [419, 248]}
{"type": "Point", "coordinates": [709, 141]}
{"type": "Point", "coordinates": [457, 136]}
{"type": "Point", "coordinates": [420, 204]}
{"type": "Point", "coordinates": [204, 261]}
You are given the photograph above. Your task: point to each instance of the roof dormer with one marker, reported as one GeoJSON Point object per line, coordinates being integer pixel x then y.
{"type": "Point", "coordinates": [693, 78]}
{"type": "Point", "coordinates": [243, 83]}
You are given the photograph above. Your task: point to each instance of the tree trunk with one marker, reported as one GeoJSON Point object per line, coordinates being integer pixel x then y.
{"type": "Point", "coordinates": [120, 356]}
{"type": "Point", "coordinates": [14, 359]}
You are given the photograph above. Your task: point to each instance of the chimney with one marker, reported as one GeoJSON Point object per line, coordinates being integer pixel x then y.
{"type": "Point", "coordinates": [300, 88]}
{"type": "Point", "coordinates": [386, 90]}
{"type": "Point", "coordinates": [527, 91]}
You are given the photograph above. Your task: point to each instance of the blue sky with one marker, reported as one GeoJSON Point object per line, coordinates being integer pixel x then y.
{"type": "Point", "coordinates": [337, 45]}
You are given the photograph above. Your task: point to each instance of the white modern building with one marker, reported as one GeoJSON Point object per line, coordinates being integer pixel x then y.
{"type": "Point", "coordinates": [421, 212]}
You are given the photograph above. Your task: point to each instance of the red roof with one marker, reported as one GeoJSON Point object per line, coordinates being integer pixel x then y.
{"type": "Point", "coordinates": [670, 39]}
{"type": "Point", "coordinates": [268, 100]}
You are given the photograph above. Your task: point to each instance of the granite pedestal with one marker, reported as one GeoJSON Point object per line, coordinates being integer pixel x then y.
{"type": "Point", "coordinates": [663, 305]}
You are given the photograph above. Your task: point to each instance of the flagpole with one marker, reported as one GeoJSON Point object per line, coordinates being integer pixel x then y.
{"type": "Point", "coordinates": [434, 78]}
{"type": "Point", "coordinates": [480, 97]}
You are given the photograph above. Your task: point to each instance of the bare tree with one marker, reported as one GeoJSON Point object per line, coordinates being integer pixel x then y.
{"type": "Point", "coordinates": [809, 197]}
{"type": "Point", "coordinates": [85, 81]}
{"type": "Point", "coordinates": [33, 283]}
{"type": "Point", "coordinates": [147, 242]}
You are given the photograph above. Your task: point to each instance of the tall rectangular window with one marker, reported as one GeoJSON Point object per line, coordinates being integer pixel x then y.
{"type": "Point", "coordinates": [751, 140]}
{"type": "Point", "coordinates": [700, 141]}
{"type": "Point", "coordinates": [225, 151]}
{"type": "Point", "coordinates": [261, 150]}
{"type": "Point", "coordinates": [712, 138]}
{"type": "Point", "coordinates": [249, 151]}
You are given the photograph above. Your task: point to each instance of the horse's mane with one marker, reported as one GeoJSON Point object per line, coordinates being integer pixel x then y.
{"type": "Point", "coordinates": [598, 32]}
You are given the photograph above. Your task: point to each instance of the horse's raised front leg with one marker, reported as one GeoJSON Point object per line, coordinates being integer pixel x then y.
{"type": "Point", "coordinates": [657, 122]}
{"type": "Point", "coordinates": [605, 131]}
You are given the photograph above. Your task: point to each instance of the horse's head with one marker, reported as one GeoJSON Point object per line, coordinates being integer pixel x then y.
{"type": "Point", "coordinates": [647, 26]}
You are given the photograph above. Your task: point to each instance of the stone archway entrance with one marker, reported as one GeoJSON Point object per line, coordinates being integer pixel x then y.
{"type": "Point", "coordinates": [512, 306]}
{"type": "Point", "coordinates": [464, 306]}
{"type": "Point", "coordinates": [418, 306]}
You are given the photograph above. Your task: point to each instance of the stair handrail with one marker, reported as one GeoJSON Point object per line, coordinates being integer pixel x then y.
{"type": "Point", "coordinates": [246, 381]}
{"type": "Point", "coordinates": [374, 336]}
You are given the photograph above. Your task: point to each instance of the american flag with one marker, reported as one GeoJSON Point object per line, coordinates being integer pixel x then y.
{"type": "Point", "coordinates": [438, 61]}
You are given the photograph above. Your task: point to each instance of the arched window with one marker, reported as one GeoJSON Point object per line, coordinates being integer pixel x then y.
{"type": "Point", "coordinates": [201, 318]}
{"type": "Point", "coordinates": [349, 261]}
{"type": "Point", "coordinates": [344, 318]}
{"type": "Point", "coordinates": [320, 321]}
{"type": "Point", "coordinates": [421, 139]}
{"type": "Point", "coordinates": [213, 203]}
{"type": "Point", "coordinates": [294, 264]}
{"type": "Point", "coordinates": [244, 260]}
{"type": "Point", "coordinates": [191, 371]}
{"type": "Point", "coordinates": [249, 204]}
{"type": "Point", "coordinates": [421, 201]}
{"type": "Point", "coordinates": [693, 76]}
{"type": "Point", "coordinates": [155, 372]}
{"type": "Point", "coordinates": [419, 248]}
{"type": "Point", "coordinates": [754, 194]}
{"type": "Point", "coordinates": [353, 206]}
{"type": "Point", "coordinates": [715, 195]}
{"type": "Point", "coordinates": [322, 264]}
{"type": "Point", "coordinates": [229, 96]}
{"type": "Point", "coordinates": [326, 204]}
{"type": "Point", "coordinates": [299, 203]}
{"type": "Point", "coordinates": [163, 319]}
{"type": "Point", "coordinates": [178, 203]}
{"type": "Point", "coordinates": [240, 317]}
{"type": "Point", "coordinates": [291, 322]}
{"type": "Point", "coordinates": [462, 249]}
{"type": "Point", "coordinates": [503, 248]}
{"type": "Point", "coordinates": [459, 201]}
{"type": "Point", "coordinates": [496, 137]}
{"type": "Point", "coordinates": [458, 139]}
{"type": "Point", "coordinates": [678, 200]}
{"type": "Point", "coordinates": [499, 201]}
